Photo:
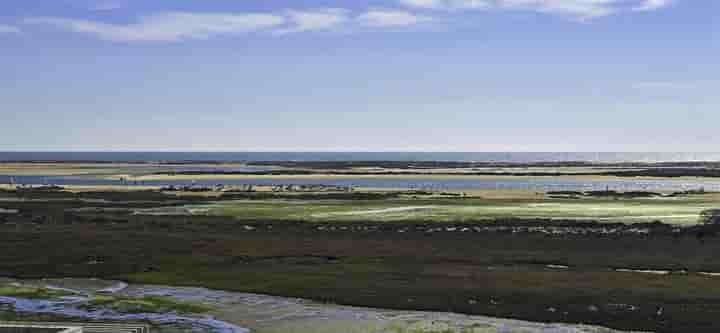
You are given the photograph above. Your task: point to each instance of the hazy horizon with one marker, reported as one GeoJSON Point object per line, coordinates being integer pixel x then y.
{"type": "Point", "coordinates": [344, 151]}
{"type": "Point", "coordinates": [509, 157]}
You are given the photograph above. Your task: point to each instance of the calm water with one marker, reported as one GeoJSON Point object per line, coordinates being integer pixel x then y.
{"type": "Point", "coordinates": [536, 184]}
{"type": "Point", "coordinates": [356, 156]}
{"type": "Point", "coordinates": [539, 184]}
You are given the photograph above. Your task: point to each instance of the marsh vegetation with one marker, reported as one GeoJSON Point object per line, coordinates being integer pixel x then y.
{"type": "Point", "coordinates": [573, 256]}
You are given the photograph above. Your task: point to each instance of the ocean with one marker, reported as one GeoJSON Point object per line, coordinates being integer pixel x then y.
{"type": "Point", "coordinates": [512, 157]}
{"type": "Point", "coordinates": [467, 183]}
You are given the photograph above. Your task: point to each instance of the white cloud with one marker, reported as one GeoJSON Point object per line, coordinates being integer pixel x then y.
{"type": "Point", "coordinates": [448, 4]}
{"type": "Point", "coordinates": [390, 18]}
{"type": "Point", "coordinates": [433, 4]}
{"type": "Point", "coordinates": [650, 5]}
{"type": "Point", "coordinates": [8, 29]}
{"type": "Point", "coordinates": [178, 26]}
{"type": "Point", "coordinates": [322, 19]}
{"type": "Point", "coordinates": [170, 26]}
{"type": "Point", "coordinates": [575, 9]}
{"type": "Point", "coordinates": [579, 9]}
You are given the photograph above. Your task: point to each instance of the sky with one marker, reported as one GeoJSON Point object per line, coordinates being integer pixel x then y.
{"type": "Point", "coordinates": [360, 75]}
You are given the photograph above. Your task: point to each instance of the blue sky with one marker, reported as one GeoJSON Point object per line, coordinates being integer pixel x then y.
{"type": "Point", "coordinates": [361, 75]}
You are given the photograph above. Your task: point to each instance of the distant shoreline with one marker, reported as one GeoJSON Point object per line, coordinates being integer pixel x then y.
{"type": "Point", "coordinates": [150, 170]}
{"type": "Point", "coordinates": [385, 163]}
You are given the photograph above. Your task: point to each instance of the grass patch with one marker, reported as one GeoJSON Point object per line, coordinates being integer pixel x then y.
{"type": "Point", "coordinates": [148, 304]}
{"type": "Point", "coordinates": [679, 211]}
{"type": "Point", "coordinates": [32, 293]}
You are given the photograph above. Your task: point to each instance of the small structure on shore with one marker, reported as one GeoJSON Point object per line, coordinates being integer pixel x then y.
{"type": "Point", "coordinates": [311, 188]}
{"type": "Point", "coordinates": [190, 188]}
{"type": "Point", "coordinates": [26, 187]}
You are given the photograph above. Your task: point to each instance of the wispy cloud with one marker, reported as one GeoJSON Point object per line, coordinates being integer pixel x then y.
{"type": "Point", "coordinates": [650, 5]}
{"type": "Point", "coordinates": [179, 26]}
{"type": "Point", "coordinates": [390, 18]}
{"type": "Point", "coordinates": [575, 9]}
{"type": "Point", "coordinates": [171, 26]}
{"type": "Point", "coordinates": [321, 19]}
{"type": "Point", "coordinates": [448, 4]}
{"type": "Point", "coordinates": [8, 29]}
